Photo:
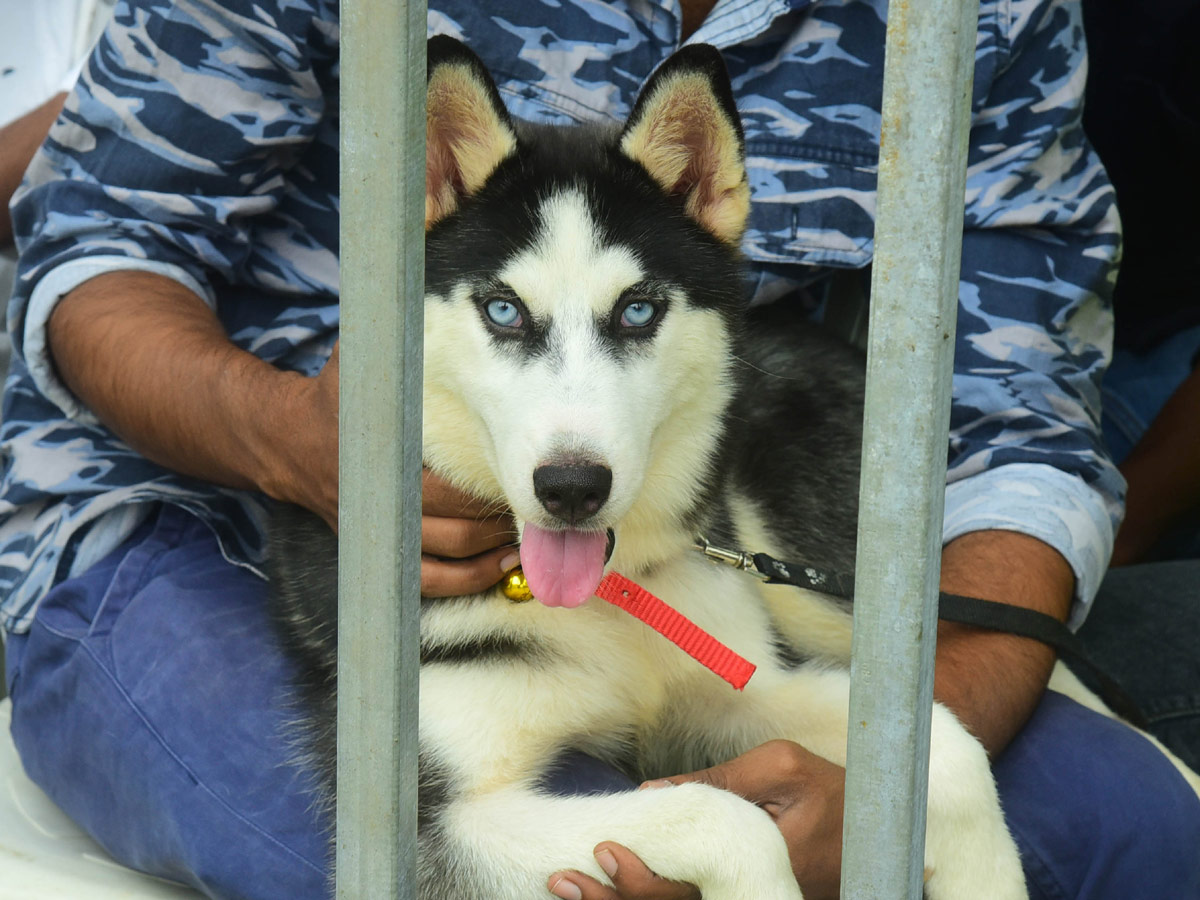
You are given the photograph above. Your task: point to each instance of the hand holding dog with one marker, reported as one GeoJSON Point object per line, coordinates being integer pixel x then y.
{"type": "Point", "coordinates": [802, 792]}
{"type": "Point", "coordinates": [466, 544]}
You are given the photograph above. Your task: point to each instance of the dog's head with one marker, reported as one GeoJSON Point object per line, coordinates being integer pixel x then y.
{"type": "Point", "coordinates": [582, 288]}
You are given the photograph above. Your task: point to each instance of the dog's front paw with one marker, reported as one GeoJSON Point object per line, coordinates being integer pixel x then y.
{"type": "Point", "coordinates": [997, 877]}
{"type": "Point", "coordinates": [729, 848]}
{"type": "Point", "coordinates": [981, 864]}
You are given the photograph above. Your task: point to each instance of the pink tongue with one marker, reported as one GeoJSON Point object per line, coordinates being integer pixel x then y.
{"type": "Point", "coordinates": [563, 568]}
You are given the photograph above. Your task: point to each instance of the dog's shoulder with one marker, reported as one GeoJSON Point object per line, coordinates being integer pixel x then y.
{"type": "Point", "coordinates": [794, 436]}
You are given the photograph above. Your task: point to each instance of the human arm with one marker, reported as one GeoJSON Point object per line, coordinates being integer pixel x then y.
{"type": "Point", "coordinates": [992, 681]}
{"type": "Point", "coordinates": [159, 197]}
{"type": "Point", "coordinates": [19, 140]}
{"type": "Point", "coordinates": [182, 198]}
{"type": "Point", "coordinates": [151, 360]}
{"type": "Point", "coordinates": [1163, 474]}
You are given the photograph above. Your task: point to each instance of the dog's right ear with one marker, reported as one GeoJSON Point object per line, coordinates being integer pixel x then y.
{"type": "Point", "coordinates": [468, 132]}
{"type": "Point", "coordinates": [685, 132]}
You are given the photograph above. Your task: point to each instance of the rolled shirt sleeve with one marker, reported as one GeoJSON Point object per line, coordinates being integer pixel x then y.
{"type": "Point", "coordinates": [1040, 250]}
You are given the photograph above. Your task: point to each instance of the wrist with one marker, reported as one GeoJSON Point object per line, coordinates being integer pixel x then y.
{"type": "Point", "coordinates": [293, 439]}
{"type": "Point", "coordinates": [813, 826]}
{"type": "Point", "coordinates": [991, 680]}
{"type": "Point", "coordinates": [273, 425]}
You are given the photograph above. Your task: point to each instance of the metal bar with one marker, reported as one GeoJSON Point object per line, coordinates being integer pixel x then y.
{"type": "Point", "coordinates": [382, 284]}
{"type": "Point", "coordinates": [928, 74]}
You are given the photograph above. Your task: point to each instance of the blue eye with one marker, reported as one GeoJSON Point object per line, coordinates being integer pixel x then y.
{"type": "Point", "coordinates": [503, 313]}
{"type": "Point", "coordinates": [639, 314]}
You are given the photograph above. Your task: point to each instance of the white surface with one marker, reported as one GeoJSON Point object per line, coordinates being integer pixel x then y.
{"type": "Point", "coordinates": [44, 856]}
{"type": "Point", "coordinates": [43, 44]}
{"type": "Point", "coordinates": [41, 47]}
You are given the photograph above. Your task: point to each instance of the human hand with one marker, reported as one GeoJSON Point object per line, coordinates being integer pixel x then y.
{"type": "Point", "coordinates": [631, 878]}
{"type": "Point", "coordinates": [463, 542]}
{"type": "Point", "coordinates": [466, 545]}
{"type": "Point", "coordinates": [801, 791]}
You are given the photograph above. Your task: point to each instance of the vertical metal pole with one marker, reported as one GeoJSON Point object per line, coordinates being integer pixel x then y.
{"type": "Point", "coordinates": [382, 286]}
{"type": "Point", "coordinates": [914, 298]}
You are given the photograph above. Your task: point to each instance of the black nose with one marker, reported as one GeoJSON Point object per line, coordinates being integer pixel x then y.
{"type": "Point", "coordinates": [572, 493]}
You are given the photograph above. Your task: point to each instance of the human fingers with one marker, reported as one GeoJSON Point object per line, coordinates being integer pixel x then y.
{"type": "Point", "coordinates": [459, 577]}
{"type": "Point", "coordinates": [440, 498]}
{"type": "Point", "coordinates": [631, 880]}
{"type": "Point", "coordinates": [803, 793]}
{"type": "Point", "coordinates": [452, 538]}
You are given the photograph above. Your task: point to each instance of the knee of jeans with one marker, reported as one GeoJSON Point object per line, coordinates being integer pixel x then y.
{"type": "Point", "coordinates": [1149, 797]}
{"type": "Point", "coordinates": [1092, 800]}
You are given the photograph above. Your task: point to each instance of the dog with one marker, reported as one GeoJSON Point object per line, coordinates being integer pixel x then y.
{"type": "Point", "coordinates": [589, 363]}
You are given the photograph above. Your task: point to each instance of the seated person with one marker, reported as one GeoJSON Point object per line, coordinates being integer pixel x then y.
{"type": "Point", "coordinates": [176, 336]}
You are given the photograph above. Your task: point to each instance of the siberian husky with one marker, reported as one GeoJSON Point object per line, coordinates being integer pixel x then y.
{"type": "Point", "coordinates": [587, 365]}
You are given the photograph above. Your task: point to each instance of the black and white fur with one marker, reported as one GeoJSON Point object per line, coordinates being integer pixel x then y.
{"type": "Point", "coordinates": [749, 435]}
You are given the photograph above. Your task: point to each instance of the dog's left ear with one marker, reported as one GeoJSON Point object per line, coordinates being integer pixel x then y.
{"type": "Point", "coordinates": [684, 130]}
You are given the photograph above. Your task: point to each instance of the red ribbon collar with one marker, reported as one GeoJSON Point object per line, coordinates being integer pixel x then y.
{"type": "Point", "coordinates": [677, 628]}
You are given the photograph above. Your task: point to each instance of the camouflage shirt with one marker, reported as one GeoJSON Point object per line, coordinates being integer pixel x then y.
{"type": "Point", "coordinates": [201, 144]}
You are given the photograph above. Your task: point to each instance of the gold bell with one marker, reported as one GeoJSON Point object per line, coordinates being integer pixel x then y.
{"type": "Point", "coordinates": [515, 587]}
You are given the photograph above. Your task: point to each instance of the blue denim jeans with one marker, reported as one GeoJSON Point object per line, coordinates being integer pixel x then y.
{"type": "Point", "coordinates": [148, 702]}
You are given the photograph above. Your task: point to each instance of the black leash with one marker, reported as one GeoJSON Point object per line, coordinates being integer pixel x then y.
{"type": "Point", "coordinates": [952, 608]}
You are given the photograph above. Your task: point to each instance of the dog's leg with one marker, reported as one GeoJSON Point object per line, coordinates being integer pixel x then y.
{"type": "Point", "coordinates": [969, 853]}
{"type": "Point", "coordinates": [490, 727]}
{"type": "Point", "coordinates": [505, 844]}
